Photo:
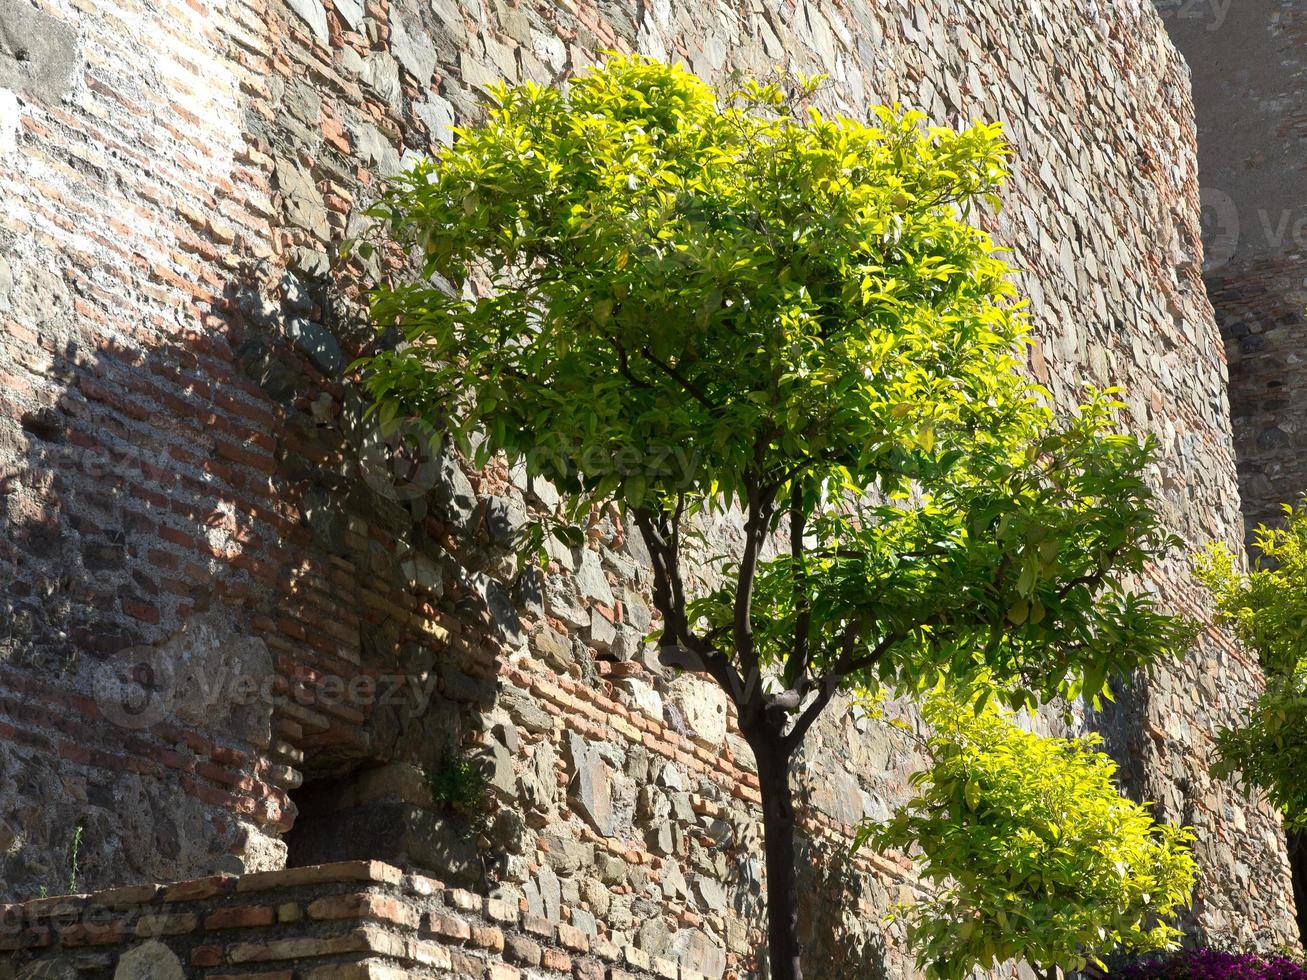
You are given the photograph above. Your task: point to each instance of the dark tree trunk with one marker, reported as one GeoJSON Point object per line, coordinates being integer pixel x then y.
{"type": "Point", "coordinates": [1298, 863]}
{"type": "Point", "coordinates": [773, 761]}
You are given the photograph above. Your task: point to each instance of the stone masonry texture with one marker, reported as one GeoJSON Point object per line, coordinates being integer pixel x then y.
{"type": "Point", "coordinates": [320, 620]}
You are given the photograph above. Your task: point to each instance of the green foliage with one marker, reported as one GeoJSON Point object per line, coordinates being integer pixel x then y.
{"type": "Point", "coordinates": [664, 273]}
{"type": "Point", "coordinates": [1036, 854]}
{"type": "Point", "coordinates": [679, 303]}
{"type": "Point", "coordinates": [458, 783]}
{"type": "Point", "coordinates": [1267, 609]}
{"type": "Point", "coordinates": [74, 854]}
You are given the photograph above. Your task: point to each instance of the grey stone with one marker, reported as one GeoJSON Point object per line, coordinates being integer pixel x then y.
{"type": "Point", "coordinates": [567, 856]}
{"type": "Point", "coordinates": [454, 495]}
{"type": "Point", "coordinates": [611, 868]}
{"type": "Point", "coordinates": [302, 103]}
{"type": "Point", "coordinates": [525, 710]}
{"type": "Point", "coordinates": [508, 831]}
{"type": "Point", "coordinates": [626, 645]}
{"type": "Point", "coordinates": [310, 262]}
{"type": "Point", "coordinates": [505, 519]}
{"type": "Point", "coordinates": [351, 61]}
{"type": "Point", "coordinates": [602, 632]}
{"type": "Point", "coordinates": [304, 205]}
{"type": "Point", "coordinates": [653, 936]}
{"type": "Point", "coordinates": [38, 52]}
{"type": "Point", "coordinates": [703, 706]}
{"type": "Point", "coordinates": [295, 295]}
{"type": "Point", "coordinates": [544, 895]}
{"type": "Point", "coordinates": [505, 733]}
{"type": "Point", "coordinates": [698, 952]}
{"type": "Point", "coordinates": [537, 784]}
{"type": "Point", "coordinates": [529, 591]}
{"type": "Point", "coordinates": [674, 885]}
{"type": "Point", "coordinates": [555, 648]}
{"type": "Point", "coordinates": [838, 794]}
{"type": "Point", "coordinates": [590, 579]}
{"type": "Point", "coordinates": [381, 71]}
{"type": "Point", "coordinates": [498, 769]}
{"type": "Point", "coordinates": [661, 838]}
{"type": "Point", "coordinates": [671, 777]}
{"type": "Point", "coordinates": [412, 48]}
{"type": "Point", "coordinates": [503, 615]}
{"type": "Point", "coordinates": [710, 893]}
{"type": "Point", "coordinates": [590, 783]}
{"type": "Point", "coordinates": [314, 15]}
{"type": "Point", "coordinates": [316, 342]}
{"type": "Point", "coordinates": [563, 603]}
{"type": "Point", "coordinates": [636, 548]}
{"type": "Point", "coordinates": [375, 149]}
{"type": "Point", "coordinates": [351, 12]}
{"type": "Point", "coordinates": [637, 612]}
{"type": "Point", "coordinates": [583, 920]}
{"type": "Point", "coordinates": [150, 960]}
{"type": "Point", "coordinates": [438, 115]}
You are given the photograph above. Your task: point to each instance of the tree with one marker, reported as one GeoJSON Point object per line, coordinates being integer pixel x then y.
{"type": "Point", "coordinates": [679, 304]}
{"type": "Point", "coordinates": [1036, 854]}
{"type": "Point", "coordinates": [1267, 608]}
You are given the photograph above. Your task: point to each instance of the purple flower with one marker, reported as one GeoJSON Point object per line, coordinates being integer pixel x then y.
{"type": "Point", "coordinates": [1213, 964]}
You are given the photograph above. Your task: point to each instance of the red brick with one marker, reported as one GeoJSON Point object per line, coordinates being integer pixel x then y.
{"type": "Point", "coordinates": [241, 917]}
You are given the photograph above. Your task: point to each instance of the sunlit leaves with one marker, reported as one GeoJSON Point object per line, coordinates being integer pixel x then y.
{"type": "Point", "coordinates": [1035, 853]}
{"type": "Point", "coordinates": [1268, 610]}
{"type": "Point", "coordinates": [636, 264]}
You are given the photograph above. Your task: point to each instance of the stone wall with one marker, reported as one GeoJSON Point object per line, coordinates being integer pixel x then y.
{"type": "Point", "coordinates": [1249, 63]}
{"type": "Point", "coordinates": [322, 622]}
{"type": "Point", "coordinates": [361, 920]}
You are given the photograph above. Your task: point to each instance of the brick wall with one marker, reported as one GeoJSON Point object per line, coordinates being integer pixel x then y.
{"type": "Point", "coordinates": [361, 920]}
{"type": "Point", "coordinates": [193, 498]}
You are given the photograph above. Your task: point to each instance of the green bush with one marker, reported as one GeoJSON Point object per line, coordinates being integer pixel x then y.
{"type": "Point", "coordinates": [1035, 853]}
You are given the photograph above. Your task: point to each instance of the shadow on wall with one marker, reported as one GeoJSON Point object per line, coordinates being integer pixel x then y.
{"type": "Point", "coordinates": [210, 594]}
{"type": "Point", "coordinates": [94, 448]}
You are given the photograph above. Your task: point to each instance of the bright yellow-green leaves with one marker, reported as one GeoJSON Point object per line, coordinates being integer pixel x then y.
{"type": "Point", "coordinates": [1268, 611]}
{"type": "Point", "coordinates": [647, 294]}
{"type": "Point", "coordinates": [637, 266]}
{"type": "Point", "coordinates": [1035, 853]}
{"type": "Point", "coordinates": [1010, 564]}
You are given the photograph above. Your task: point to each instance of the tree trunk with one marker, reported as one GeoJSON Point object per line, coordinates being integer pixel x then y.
{"type": "Point", "coordinates": [778, 837]}
{"type": "Point", "coordinates": [1298, 864]}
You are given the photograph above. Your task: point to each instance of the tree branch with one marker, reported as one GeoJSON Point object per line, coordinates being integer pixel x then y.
{"type": "Point", "coordinates": [797, 668]}
{"type": "Point", "coordinates": [662, 537]}
{"type": "Point", "coordinates": [680, 379]}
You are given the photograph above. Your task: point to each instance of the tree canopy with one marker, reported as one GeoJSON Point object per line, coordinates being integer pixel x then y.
{"type": "Point", "coordinates": [649, 295]}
